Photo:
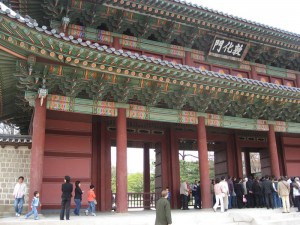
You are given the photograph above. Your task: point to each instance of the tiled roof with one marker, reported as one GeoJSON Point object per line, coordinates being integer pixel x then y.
{"type": "Point", "coordinates": [5, 10]}
{"type": "Point", "coordinates": [15, 139]}
{"type": "Point", "coordinates": [196, 6]}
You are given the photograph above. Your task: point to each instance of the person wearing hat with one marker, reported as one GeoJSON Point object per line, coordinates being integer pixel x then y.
{"type": "Point", "coordinates": [296, 192]}
{"type": "Point", "coordinates": [67, 189]}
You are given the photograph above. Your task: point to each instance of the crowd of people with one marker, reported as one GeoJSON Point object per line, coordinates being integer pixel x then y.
{"type": "Point", "coordinates": [259, 192]}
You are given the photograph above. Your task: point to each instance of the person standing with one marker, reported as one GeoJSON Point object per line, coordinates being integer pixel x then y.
{"type": "Point", "coordinates": [67, 189]}
{"type": "Point", "coordinates": [19, 194]}
{"type": "Point", "coordinates": [267, 190]}
{"type": "Point", "coordinates": [184, 192]}
{"type": "Point", "coordinates": [77, 197]}
{"type": "Point", "coordinates": [225, 191]}
{"type": "Point", "coordinates": [163, 210]}
{"type": "Point", "coordinates": [34, 205]}
{"type": "Point", "coordinates": [296, 192]}
{"type": "Point", "coordinates": [284, 192]}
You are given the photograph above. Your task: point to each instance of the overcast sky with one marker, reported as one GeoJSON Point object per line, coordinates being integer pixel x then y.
{"type": "Point", "coordinates": [283, 14]}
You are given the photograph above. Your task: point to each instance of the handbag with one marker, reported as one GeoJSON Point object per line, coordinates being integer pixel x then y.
{"type": "Point", "coordinates": [244, 199]}
{"type": "Point", "coordinates": [95, 201]}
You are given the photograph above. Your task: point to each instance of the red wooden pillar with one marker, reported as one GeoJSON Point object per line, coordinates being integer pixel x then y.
{"type": "Point", "coordinates": [298, 80]}
{"type": "Point", "coordinates": [116, 43]}
{"type": "Point", "coordinates": [146, 176]}
{"type": "Point", "coordinates": [108, 196]}
{"type": "Point", "coordinates": [253, 73]}
{"type": "Point", "coordinates": [188, 59]}
{"type": "Point", "coordinates": [230, 156]}
{"type": "Point", "coordinates": [239, 160]}
{"type": "Point", "coordinates": [121, 173]}
{"type": "Point", "coordinates": [203, 163]}
{"type": "Point", "coordinates": [38, 147]}
{"type": "Point", "coordinates": [273, 152]}
{"type": "Point", "coordinates": [175, 170]}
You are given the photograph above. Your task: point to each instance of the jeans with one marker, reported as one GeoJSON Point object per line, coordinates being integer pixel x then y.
{"type": "Point", "coordinates": [230, 201]}
{"type": "Point", "coordinates": [19, 205]}
{"type": "Point", "coordinates": [277, 201]}
{"type": "Point", "coordinates": [91, 207]}
{"type": "Point", "coordinates": [33, 211]}
{"type": "Point", "coordinates": [78, 206]}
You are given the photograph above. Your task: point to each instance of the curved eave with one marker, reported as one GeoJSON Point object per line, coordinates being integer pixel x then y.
{"type": "Point", "coordinates": [189, 13]}
{"type": "Point", "coordinates": [17, 32]}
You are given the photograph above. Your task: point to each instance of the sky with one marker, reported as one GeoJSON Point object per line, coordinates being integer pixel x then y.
{"type": "Point", "coordinates": [282, 14]}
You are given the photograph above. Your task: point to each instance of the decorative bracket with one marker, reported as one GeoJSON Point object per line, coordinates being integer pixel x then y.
{"type": "Point", "coordinates": [43, 92]}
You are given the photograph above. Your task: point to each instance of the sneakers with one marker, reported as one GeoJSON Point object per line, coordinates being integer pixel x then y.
{"type": "Point", "coordinates": [86, 212]}
{"type": "Point", "coordinates": [93, 214]}
{"type": "Point", "coordinates": [214, 209]}
{"type": "Point", "coordinates": [17, 215]}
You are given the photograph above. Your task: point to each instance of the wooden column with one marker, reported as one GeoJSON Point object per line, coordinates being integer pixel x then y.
{"type": "Point", "coordinates": [146, 176]}
{"type": "Point", "coordinates": [247, 163]}
{"type": "Point", "coordinates": [203, 164]}
{"type": "Point", "coordinates": [188, 59]}
{"type": "Point", "coordinates": [273, 152]}
{"type": "Point", "coordinates": [116, 43]}
{"type": "Point", "coordinates": [253, 73]}
{"type": "Point", "coordinates": [121, 196]}
{"type": "Point", "coordinates": [38, 148]}
{"type": "Point", "coordinates": [239, 162]}
{"type": "Point", "coordinates": [174, 169]}
{"type": "Point", "coordinates": [298, 80]}
{"type": "Point", "coordinates": [108, 196]}
{"type": "Point", "coordinates": [230, 156]}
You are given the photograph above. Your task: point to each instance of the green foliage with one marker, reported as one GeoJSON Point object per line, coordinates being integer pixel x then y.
{"type": "Point", "coordinates": [135, 181]}
{"type": "Point", "coordinates": [190, 170]}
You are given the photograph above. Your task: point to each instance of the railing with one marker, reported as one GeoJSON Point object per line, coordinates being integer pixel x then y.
{"type": "Point", "coordinates": [140, 200]}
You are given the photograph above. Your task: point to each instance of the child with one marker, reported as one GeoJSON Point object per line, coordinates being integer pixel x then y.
{"type": "Point", "coordinates": [91, 201]}
{"type": "Point", "coordinates": [34, 204]}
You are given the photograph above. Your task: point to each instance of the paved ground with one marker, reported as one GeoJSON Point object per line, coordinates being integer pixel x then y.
{"type": "Point", "coordinates": [188, 217]}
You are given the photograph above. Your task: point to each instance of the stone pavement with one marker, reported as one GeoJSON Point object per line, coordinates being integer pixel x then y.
{"type": "Point", "coordinates": [188, 217]}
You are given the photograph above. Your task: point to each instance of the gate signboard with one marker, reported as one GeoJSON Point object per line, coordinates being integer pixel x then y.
{"type": "Point", "coordinates": [229, 49]}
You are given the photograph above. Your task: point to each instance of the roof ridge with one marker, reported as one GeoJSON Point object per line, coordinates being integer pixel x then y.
{"type": "Point", "coordinates": [137, 56]}
{"type": "Point", "coordinates": [184, 2]}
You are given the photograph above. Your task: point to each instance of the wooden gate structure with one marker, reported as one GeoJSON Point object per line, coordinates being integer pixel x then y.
{"type": "Point", "coordinates": [82, 76]}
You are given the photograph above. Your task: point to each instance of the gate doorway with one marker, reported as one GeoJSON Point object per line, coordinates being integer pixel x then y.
{"type": "Point", "coordinates": [256, 162]}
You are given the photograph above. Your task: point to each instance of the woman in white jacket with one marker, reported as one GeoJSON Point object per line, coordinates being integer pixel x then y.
{"type": "Point", "coordinates": [19, 194]}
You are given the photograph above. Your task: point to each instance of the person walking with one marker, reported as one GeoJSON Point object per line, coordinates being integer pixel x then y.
{"type": "Point", "coordinates": [34, 206]}
{"type": "Point", "coordinates": [283, 191]}
{"type": "Point", "coordinates": [225, 191]}
{"type": "Point", "coordinates": [163, 210]}
{"type": "Point", "coordinates": [77, 197]}
{"type": "Point", "coordinates": [91, 201]}
{"type": "Point", "coordinates": [219, 195]}
{"type": "Point", "coordinates": [67, 189]}
{"type": "Point", "coordinates": [19, 194]}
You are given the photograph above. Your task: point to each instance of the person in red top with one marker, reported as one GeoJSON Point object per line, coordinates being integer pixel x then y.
{"type": "Point", "coordinates": [91, 201]}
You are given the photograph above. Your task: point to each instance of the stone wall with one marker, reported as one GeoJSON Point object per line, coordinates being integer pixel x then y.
{"type": "Point", "coordinates": [14, 162]}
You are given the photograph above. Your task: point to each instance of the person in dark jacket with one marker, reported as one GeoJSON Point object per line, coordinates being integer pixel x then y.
{"type": "Point", "coordinates": [163, 210]}
{"type": "Point", "coordinates": [267, 189]}
{"type": "Point", "coordinates": [257, 192]}
{"type": "Point", "coordinates": [250, 196]}
{"type": "Point", "coordinates": [67, 189]}
{"type": "Point", "coordinates": [239, 191]}
{"type": "Point", "coordinates": [77, 197]}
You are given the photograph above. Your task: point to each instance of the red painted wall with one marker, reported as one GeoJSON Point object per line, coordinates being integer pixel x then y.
{"type": "Point", "coordinates": [68, 151]}
{"type": "Point", "coordinates": [291, 152]}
